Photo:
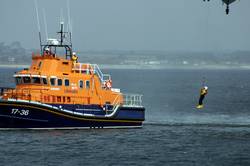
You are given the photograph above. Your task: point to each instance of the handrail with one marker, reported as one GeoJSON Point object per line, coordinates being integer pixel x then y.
{"type": "Point", "coordinates": [91, 67]}
{"type": "Point", "coordinates": [108, 77]}
{"type": "Point", "coordinates": [132, 100]}
{"type": "Point", "coordinates": [127, 100]}
{"type": "Point", "coordinates": [98, 71]}
{"type": "Point", "coordinates": [3, 90]}
{"type": "Point", "coordinates": [41, 95]}
{"type": "Point", "coordinates": [24, 94]}
{"type": "Point", "coordinates": [100, 74]}
{"type": "Point", "coordinates": [117, 101]}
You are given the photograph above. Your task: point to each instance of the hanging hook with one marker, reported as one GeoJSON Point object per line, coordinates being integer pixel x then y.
{"type": "Point", "coordinates": [203, 81]}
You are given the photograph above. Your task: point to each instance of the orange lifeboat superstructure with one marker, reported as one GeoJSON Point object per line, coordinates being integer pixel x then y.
{"type": "Point", "coordinates": [53, 79]}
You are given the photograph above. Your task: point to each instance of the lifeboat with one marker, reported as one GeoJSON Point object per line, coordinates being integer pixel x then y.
{"type": "Point", "coordinates": [58, 92]}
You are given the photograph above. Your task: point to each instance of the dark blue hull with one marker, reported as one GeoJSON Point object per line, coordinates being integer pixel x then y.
{"type": "Point", "coordinates": [23, 114]}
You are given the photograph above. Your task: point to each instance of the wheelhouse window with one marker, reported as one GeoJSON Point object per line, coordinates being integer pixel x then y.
{"type": "Point", "coordinates": [87, 84]}
{"type": "Point", "coordinates": [26, 80]}
{"type": "Point", "coordinates": [52, 81]}
{"type": "Point", "coordinates": [36, 80]}
{"type": "Point", "coordinates": [44, 80]}
{"type": "Point", "coordinates": [59, 82]}
{"type": "Point", "coordinates": [81, 85]}
{"type": "Point", "coordinates": [66, 82]}
{"type": "Point", "coordinates": [18, 80]}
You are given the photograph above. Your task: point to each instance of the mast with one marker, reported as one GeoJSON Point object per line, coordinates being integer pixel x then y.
{"type": "Point", "coordinates": [61, 34]}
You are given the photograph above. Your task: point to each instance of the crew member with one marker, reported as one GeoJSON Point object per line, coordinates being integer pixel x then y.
{"type": "Point", "coordinates": [47, 51]}
{"type": "Point", "coordinates": [74, 57]}
{"type": "Point", "coordinates": [203, 92]}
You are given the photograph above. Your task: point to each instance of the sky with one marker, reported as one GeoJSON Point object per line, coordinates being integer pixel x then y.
{"type": "Point", "coordinates": [161, 25]}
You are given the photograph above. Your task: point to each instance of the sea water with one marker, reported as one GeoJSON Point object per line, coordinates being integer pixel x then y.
{"type": "Point", "coordinates": [174, 133]}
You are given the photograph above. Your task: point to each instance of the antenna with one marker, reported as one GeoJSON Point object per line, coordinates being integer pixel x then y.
{"type": "Point", "coordinates": [61, 15]}
{"type": "Point", "coordinates": [69, 23]}
{"type": "Point", "coordinates": [71, 33]}
{"type": "Point", "coordinates": [203, 81]}
{"type": "Point", "coordinates": [45, 24]}
{"type": "Point", "coordinates": [38, 25]}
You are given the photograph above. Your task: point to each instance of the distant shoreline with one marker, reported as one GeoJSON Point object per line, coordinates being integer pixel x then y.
{"type": "Point", "coordinates": [13, 66]}
{"type": "Point", "coordinates": [150, 67]}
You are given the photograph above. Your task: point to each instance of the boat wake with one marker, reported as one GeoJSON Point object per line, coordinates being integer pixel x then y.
{"type": "Point", "coordinates": [185, 124]}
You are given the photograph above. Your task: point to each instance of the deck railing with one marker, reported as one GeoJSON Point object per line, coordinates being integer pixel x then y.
{"type": "Point", "coordinates": [89, 68]}
{"type": "Point", "coordinates": [23, 94]}
{"type": "Point", "coordinates": [132, 100]}
{"type": "Point", "coordinates": [42, 96]}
